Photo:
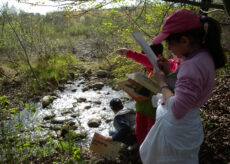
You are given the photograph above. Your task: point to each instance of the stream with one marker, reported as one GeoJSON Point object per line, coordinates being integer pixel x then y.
{"type": "Point", "coordinates": [86, 111]}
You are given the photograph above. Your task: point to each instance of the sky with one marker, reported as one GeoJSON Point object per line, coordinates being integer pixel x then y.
{"type": "Point", "coordinates": [44, 7]}
{"type": "Point", "coordinates": [31, 8]}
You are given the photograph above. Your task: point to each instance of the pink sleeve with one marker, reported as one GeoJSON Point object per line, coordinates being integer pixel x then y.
{"type": "Point", "coordinates": [187, 90]}
{"type": "Point", "coordinates": [195, 81]}
{"type": "Point", "coordinates": [173, 64]}
{"type": "Point", "coordinates": [140, 58]}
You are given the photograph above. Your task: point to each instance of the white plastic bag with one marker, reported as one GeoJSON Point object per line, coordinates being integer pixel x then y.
{"type": "Point", "coordinates": [156, 102]}
{"type": "Point", "coordinates": [173, 141]}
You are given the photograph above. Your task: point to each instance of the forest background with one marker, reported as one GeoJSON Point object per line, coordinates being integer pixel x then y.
{"type": "Point", "coordinates": [38, 53]}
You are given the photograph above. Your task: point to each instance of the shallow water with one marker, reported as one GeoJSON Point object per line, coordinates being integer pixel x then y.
{"type": "Point", "coordinates": [68, 104]}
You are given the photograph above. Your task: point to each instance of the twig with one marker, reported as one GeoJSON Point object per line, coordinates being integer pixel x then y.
{"type": "Point", "coordinates": [1, 73]}
{"type": "Point", "coordinates": [213, 132]}
{"type": "Point", "coordinates": [212, 5]}
{"type": "Point", "coordinates": [215, 10]}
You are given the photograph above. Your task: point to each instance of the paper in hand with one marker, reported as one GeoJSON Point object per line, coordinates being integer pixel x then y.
{"type": "Point", "coordinates": [148, 51]}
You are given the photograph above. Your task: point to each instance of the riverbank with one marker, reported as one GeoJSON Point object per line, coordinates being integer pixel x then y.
{"type": "Point", "coordinates": [75, 112]}
{"type": "Point", "coordinates": [215, 114]}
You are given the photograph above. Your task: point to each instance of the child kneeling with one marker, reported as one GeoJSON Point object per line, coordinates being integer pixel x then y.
{"type": "Point", "coordinates": [124, 124]}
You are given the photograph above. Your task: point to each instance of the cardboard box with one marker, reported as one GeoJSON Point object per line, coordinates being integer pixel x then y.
{"type": "Point", "coordinates": [107, 149]}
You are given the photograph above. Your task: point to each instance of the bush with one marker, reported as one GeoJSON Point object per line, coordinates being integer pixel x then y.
{"type": "Point", "coordinates": [56, 68]}
{"type": "Point", "coordinates": [78, 29]}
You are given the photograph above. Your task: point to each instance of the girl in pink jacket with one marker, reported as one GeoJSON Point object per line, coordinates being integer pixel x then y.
{"type": "Point", "coordinates": [145, 112]}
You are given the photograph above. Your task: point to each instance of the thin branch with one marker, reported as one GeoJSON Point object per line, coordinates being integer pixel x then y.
{"type": "Point", "coordinates": [215, 10]}
{"type": "Point", "coordinates": [2, 74]}
{"type": "Point", "coordinates": [213, 132]}
{"type": "Point", "coordinates": [165, 14]}
{"type": "Point", "coordinates": [44, 5]}
{"type": "Point", "coordinates": [134, 21]}
{"type": "Point", "coordinates": [98, 7]}
{"type": "Point", "coordinates": [217, 6]}
{"type": "Point", "coordinates": [143, 8]}
{"type": "Point", "coordinates": [23, 47]}
{"type": "Point", "coordinates": [141, 29]}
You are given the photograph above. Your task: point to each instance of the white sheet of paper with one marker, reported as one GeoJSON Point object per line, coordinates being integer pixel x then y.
{"type": "Point", "coordinates": [145, 47]}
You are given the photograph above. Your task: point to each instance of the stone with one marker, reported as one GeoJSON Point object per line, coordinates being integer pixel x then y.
{"type": "Point", "coordinates": [69, 82]}
{"type": "Point", "coordinates": [85, 89]}
{"type": "Point", "coordinates": [46, 100]}
{"type": "Point", "coordinates": [61, 87]}
{"type": "Point", "coordinates": [88, 71]}
{"type": "Point", "coordinates": [108, 120]}
{"type": "Point", "coordinates": [94, 122]}
{"type": "Point", "coordinates": [97, 102]}
{"type": "Point", "coordinates": [60, 120]}
{"type": "Point", "coordinates": [48, 117]}
{"type": "Point", "coordinates": [102, 73]}
{"type": "Point", "coordinates": [81, 99]}
{"type": "Point", "coordinates": [87, 107]}
{"type": "Point", "coordinates": [97, 86]}
{"type": "Point", "coordinates": [66, 112]}
{"type": "Point", "coordinates": [74, 115]}
{"type": "Point", "coordinates": [74, 90]}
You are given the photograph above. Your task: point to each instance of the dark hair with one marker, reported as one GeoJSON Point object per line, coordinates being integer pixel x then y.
{"type": "Point", "coordinates": [116, 104]}
{"type": "Point", "coordinates": [156, 48]}
{"type": "Point", "coordinates": [210, 39]}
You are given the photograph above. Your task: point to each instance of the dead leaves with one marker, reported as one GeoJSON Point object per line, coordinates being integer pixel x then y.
{"type": "Point", "coordinates": [216, 121]}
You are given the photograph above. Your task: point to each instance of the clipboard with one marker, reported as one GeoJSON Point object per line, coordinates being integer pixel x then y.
{"type": "Point", "coordinates": [144, 81]}
{"type": "Point", "coordinates": [129, 86]}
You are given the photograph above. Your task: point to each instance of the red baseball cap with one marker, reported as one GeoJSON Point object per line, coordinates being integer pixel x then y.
{"type": "Point", "coordinates": [177, 22]}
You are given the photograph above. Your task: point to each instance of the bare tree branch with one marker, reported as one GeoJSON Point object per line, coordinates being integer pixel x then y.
{"type": "Point", "coordinates": [45, 5]}
{"type": "Point", "coordinates": [23, 47]}
{"type": "Point", "coordinates": [97, 7]}
{"type": "Point", "coordinates": [194, 3]}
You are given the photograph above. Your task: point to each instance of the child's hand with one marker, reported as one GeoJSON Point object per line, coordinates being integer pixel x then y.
{"type": "Point", "coordinates": [108, 138]}
{"type": "Point", "coordinates": [164, 65]}
{"type": "Point", "coordinates": [160, 78]}
{"type": "Point", "coordinates": [122, 51]}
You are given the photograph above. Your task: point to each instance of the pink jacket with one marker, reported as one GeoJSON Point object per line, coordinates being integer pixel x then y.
{"type": "Point", "coordinates": [143, 59]}
{"type": "Point", "coordinates": [195, 81]}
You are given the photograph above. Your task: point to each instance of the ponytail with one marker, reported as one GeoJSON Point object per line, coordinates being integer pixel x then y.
{"type": "Point", "coordinates": [209, 37]}
{"type": "Point", "coordinates": [212, 41]}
